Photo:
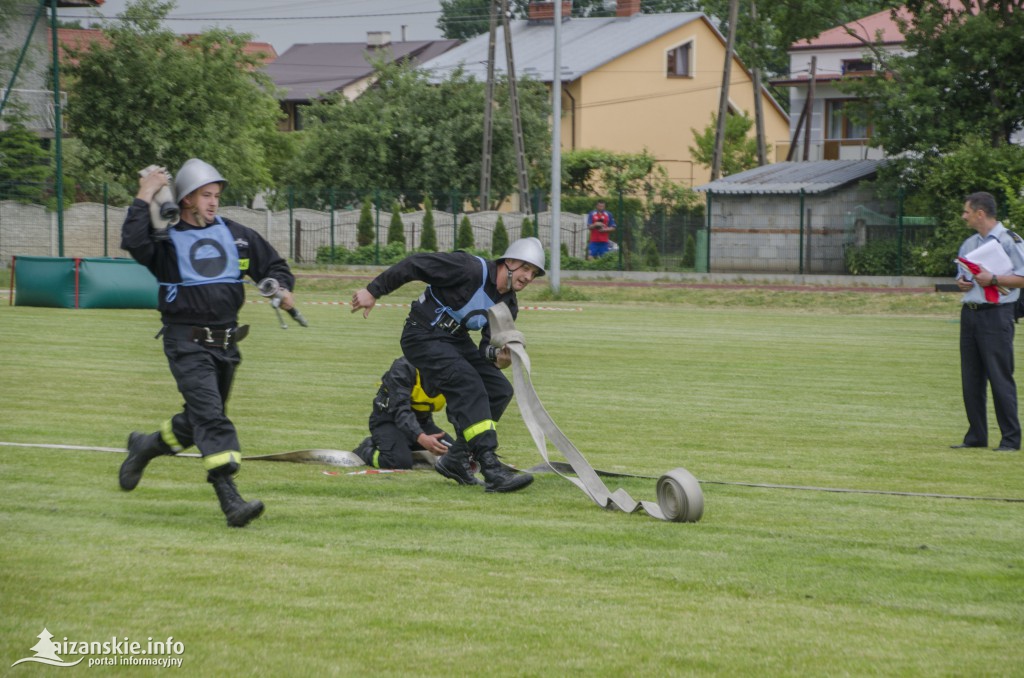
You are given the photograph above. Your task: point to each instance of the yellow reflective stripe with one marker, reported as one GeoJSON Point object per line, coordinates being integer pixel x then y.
{"type": "Point", "coordinates": [167, 434]}
{"type": "Point", "coordinates": [222, 459]}
{"type": "Point", "coordinates": [478, 428]}
{"type": "Point", "coordinates": [376, 459]}
{"type": "Point", "coordinates": [243, 264]}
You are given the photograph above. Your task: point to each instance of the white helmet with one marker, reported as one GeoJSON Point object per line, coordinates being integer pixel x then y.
{"type": "Point", "coordinates": [529, 250]}
{"type": "Point", "coordinates": [195, 174]}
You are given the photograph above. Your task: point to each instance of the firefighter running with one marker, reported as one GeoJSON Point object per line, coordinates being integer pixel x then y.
{"type": "Point", "coordinates": [199, 263]}
{"type": "Point", "coordinates": [436, 341]}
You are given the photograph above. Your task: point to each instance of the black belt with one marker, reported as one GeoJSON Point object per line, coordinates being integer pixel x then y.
{"type": "Point", "coordinates": [446, 324]}
{"type": "Point", "coordinates": [223, 337]}
{"type": "Point", "coordinates": [974, 306]}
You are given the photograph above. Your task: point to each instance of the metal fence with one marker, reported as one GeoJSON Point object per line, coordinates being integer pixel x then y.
{"type": "Point", "coordinates": [762, 233]}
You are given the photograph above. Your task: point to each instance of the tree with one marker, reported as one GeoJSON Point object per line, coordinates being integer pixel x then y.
{"type": "Point", "coordinates": [527, 230]}
{"type": "Point", "coordinates": [944, 111]}
{"type": "Point", "coordinates": [961, 76]}
{"type": "Point", "coordinates": [364, 227]}
{"type": "Point", "coordinates": [739, 150]}
{"type": "Point", "coordinates": [428, 239]}
{"type": "Point", "coordinates": [465, 239]}
{"type": "Point", "coordinates": [396, 230]}
{"type": "Point", "coordinates": [499, 241]}
{"type": "Point", "coordinates": [151, 97]}
{"type": "Point", "coordinates": [407, 134]}
{"type": "Point", "coordinates": [24, 164]}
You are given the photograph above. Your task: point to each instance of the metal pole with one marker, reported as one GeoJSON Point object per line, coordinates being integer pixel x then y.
{"type": "Point", "coordinates": [106, 225]}
{"type": "Point", "coordinates": [376, 239]}
{"type": "Point", "coordinates": [899, 243]}
{"type": "Point", "coordinates": [57, 133]}
{"type": "Point", "coordinates": [801, 266]}
{"type": "Point", "coordinates": [291, 223]}
{"type": "Point", "coordinates": [621, 231]}
{"type": "Point", "coordinates": [556, 154]}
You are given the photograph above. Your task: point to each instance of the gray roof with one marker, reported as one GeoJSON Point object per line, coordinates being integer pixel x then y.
{"type": "Point", "coordinates": [587, 44]}
{"type": "Point", "coordinates": [307, 71]}
{"type": "Point", "coordinates": [790, 177]}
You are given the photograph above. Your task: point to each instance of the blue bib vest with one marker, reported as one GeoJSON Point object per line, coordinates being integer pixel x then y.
{"type": "Point", "coordinates": [205, 255]}
{"type": "Point", "coordinates": [472, 316]}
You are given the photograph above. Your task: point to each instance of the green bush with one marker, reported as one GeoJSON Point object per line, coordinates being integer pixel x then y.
{"type": "Point", "coordinates": [362, 256]}
{"type": "Point", "coordinates": [465, 240]}
{"type": "Point", "coordinates": [428, 239]}
{"type": "Point", "coordinates": [365, 228]}
{"type": "Point", "coordinates": [499, 242]}
{"type": "Point", "coordinates": [527, 230]}
{"type": "Point", "coordinates": [396, 230]}
{"type": "Point", "coordinates": [689, 252]}
{"type": "Point", "coordinates": [878, 257]}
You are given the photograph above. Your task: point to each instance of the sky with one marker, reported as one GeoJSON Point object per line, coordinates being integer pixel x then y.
{"type": "Point", "coordinates": [284, 23]}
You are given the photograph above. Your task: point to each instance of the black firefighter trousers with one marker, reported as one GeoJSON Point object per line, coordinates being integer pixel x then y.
{"type": "Point", "coordinates": [204, 375]}
{"type": "Point", "coordinates": [476, 391]}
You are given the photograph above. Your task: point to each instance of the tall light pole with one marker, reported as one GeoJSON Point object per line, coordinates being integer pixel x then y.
{"type": "Point", "coordinates": [556, 155]}
{"type": "Point", "coordinates": [57, 132]}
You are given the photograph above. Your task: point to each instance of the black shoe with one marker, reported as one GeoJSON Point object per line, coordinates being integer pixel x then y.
{"type": "Point", "coordinates": [238, 511]}
{"type": "Point", "coordinates": [1006, 449]}
{"type": "Point", "coordinates": [142, 448]}
{"type": "Point", "coordinates": [365, 451]}
{"type": "Point", "coordinates": [962, 446]}
{"type": "Point", "coordinates": [456, 467]}
{"type": "Point", "coordinates": [499, 477]}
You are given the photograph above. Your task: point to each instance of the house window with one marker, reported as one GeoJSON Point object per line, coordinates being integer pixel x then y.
{"type": "Point", "coordinates": [857, 66]}
{"type": "Point", "coordinates": [840, 126]}
{"type": "Point", "coordinates": [680, 61]}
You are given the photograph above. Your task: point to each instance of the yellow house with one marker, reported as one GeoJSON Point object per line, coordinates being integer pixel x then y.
{"type": "Point", "coordinates": [629, 82]}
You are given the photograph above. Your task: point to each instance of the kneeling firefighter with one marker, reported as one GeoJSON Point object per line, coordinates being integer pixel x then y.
{"type": "Point", "coordinates": [402, 420]}
{"type": "Point", "coordinates": [437, 342]}
{"type": "Point", "coordinates": [199, 263]}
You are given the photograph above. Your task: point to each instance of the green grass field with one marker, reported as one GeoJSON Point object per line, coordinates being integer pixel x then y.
{"type": "Point", "coordinates": [409, 574]}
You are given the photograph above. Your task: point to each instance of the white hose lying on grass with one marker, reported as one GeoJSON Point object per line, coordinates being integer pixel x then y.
{"type": "Point", "coordinates": [680, 498]}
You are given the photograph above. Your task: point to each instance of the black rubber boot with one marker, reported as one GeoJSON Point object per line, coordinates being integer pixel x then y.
{"type": "Point", "coordinates": [142, 448]}
{"type": "Point", "coordinates": [238, 511]}
{"type": "Point", "coordinates": [455, 464]}
{"type": "Point", "coordinates": [365, 451]}
{"type": "Point", "coordinates": [500, 478]}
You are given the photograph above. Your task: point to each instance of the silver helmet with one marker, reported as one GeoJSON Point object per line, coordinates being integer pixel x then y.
{"type": "Point", "coordinates": [195, 174]}
{"type": "Point", "coordinates": [529, 250]}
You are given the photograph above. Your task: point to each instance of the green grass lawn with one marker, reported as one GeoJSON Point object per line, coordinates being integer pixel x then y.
{"type": "Point", "coordinates": [409, 574]}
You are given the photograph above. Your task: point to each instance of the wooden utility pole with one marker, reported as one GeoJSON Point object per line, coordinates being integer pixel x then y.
{"type": "Point", "coordinates": [723, 101]}
{"type": "Point", "coordinates": [762, 150]}
{"type": "Point", "coordinates": [810, 108]}
{"type": "Point", "coordinates": [517, 120]}
{"type": "Point", "coordinates": [485, 161]}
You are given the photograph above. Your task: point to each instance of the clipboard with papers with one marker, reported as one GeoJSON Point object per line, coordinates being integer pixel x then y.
{"type": "Point", "coordinates": [992, 257]}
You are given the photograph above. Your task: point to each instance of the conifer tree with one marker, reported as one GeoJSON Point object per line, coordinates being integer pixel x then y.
{"type": "Point", "coordinates": [527, 229]}
{"type": "Point", "coordinates": [499, 242]}
{"type": "Point", "coordinates": [364, 229]}
{"type": "Point", "coordinates": [396, 230]}
{"type": "Point", "coordinates": [428, 240]}
{"type": "Point", "coordinates": [465, 240]}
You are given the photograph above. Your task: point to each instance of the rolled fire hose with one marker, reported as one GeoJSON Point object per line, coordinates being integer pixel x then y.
{"type": "Point", "coordinates": [162, 208]}
{"type": "Point", "coordinates": [680, 498]}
